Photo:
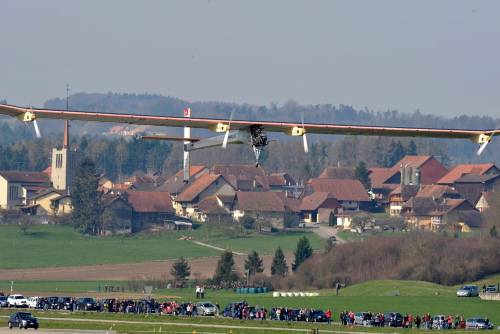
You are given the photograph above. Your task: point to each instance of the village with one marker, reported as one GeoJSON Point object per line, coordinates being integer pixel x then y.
{"type": "Point", "coordinates": [418, 192]}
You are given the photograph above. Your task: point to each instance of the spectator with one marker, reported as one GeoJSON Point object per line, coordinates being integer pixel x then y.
{"type": "Point", "coordinates": [328, 315]}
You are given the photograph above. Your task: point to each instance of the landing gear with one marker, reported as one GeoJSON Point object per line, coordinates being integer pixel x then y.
{"type": "Point", "coordinates": [258, 141]}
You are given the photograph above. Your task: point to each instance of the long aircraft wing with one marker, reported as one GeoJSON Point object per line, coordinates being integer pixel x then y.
{"type": "Point", "coordinates": [284, 127]}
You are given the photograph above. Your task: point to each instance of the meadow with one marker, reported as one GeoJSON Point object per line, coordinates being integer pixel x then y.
{"type": "Point", "coordinates": [57, 246]}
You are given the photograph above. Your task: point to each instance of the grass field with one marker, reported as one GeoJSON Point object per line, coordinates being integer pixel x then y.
{"type": "Point", "coordinates": [376, 296]}
{"type": "Point", "coordinates": [56, 246]}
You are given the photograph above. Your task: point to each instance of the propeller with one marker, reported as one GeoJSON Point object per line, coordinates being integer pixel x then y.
{"type": "Point", "coordinates": [37, 129]}
{"type": "Point", "coordinates": [483, 145]}
{"type": "Point", "coordinates": [304, 137]}
{"type": "Point", "coordinates": [226, 135]}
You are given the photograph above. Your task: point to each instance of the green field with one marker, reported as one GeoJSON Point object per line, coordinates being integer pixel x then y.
{"type": "Point", "coordinates": [55, 246]}
{"type": "Point", "coordinates": [376, 296]}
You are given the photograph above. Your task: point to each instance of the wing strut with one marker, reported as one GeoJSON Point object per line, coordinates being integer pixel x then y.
{"type": "Point", "coordinates": [187, 135]}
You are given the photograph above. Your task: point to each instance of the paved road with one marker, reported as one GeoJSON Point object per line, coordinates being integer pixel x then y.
{"type": "Point", "coordinates": [325, 231]}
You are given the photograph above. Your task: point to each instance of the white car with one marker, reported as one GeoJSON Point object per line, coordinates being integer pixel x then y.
{"type": "Point", "coordinates": [17, 301]}
{"type": "Point", "coordinates": [33, 302]}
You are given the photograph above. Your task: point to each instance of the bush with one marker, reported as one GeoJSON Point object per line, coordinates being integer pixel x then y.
{"type": "Point", "coordinates": [414, 256]}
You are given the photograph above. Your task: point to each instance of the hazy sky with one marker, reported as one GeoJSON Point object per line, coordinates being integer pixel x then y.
{"type": "Point", "coordinates": [441, 57]}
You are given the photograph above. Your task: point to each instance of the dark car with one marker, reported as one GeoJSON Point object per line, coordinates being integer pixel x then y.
{"type": "Point", "coordinates": [393, 319]}
{"type": "Point", "coordinates": [49, 303]}
{"type": "Point", "coordinates": [87, 304]}
{"type": "Point", "coordinates": [3, 301]}
{"type": "Point", "coordinates": [23, 320]}
{"type": "Point", "coordinates": [64, 303]}
{"type": "Point", "coordinates": [318, 316]}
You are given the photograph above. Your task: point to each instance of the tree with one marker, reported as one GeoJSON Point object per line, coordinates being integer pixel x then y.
{"type": "Point", "coordinates": [86, 199]}
{"type": "Point", "coordinates": [361, 220]}
{"type": "Point", "coordinates": [25, 223]}
{"type": "Point", "coordinates": [362, 174]}
{"type": "Point", "coordinates": [180, 271]}
{"type": "Point", "coordinates": [302, 253]}
{"type": "Point", "coordinates": [225, 268]}
{"type": "Point", "coordinates": [279, 266]}
{"type": "Point", "coordinates": [254, 263]}
{"type": "Point", "coordinates": [493, 231]}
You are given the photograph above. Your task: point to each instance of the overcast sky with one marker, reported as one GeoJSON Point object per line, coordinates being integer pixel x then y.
{"type": "Point", "coordinates": [442, 57]}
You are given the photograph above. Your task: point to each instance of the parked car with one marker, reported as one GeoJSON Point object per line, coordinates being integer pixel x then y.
{"type": "Point", "coordinates": [468, 291]}
{"type": "Point", "coordinates": [3, 301]}
{"type": "Point", "coordinates": [23, 320]}
{"type": "Point", "coordinates": [48, 303]}
{"type": "Point", "coordinates": [393, 319]}
{"type": "Point", "coordinates": [439, 321]}
{"type": "Point", "coordinates": [478, 323]}
{"type": "Point", "coordinates": [86, 304]}
{"type": "Point", "coordinates": [318, 316]}
{"type": "Point", "coordinates": [33, 302]}
{"type": "Point", "coordinates": [17, 301]}
{"type": "Point", "coordinates": [363, 318]}
{"type": "Point", "coordinates": [64, 303]}
{"type": "Point", "coordinates": [206, 308]}
{"type": "Point", "coordinates": [492, 288]}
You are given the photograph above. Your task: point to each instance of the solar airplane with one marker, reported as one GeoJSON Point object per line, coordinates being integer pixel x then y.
{"type": "Point", "coordinates": [253, 133]}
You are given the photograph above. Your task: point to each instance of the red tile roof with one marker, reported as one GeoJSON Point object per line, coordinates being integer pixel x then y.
{"type": "Point", "coordinates": [276, 179]}
{"type": "Point", "coordinates": [242, 175]}
{"type": "Point", "coordinates": [460, 170]}
{"type": "Point", "coordinates": [378, 176]}
{"type": "Point", "coordinates": [210, 205]}
{"type": "Point", "coordinates": [437, 191]}
{"type": "Point", "coordinates": [25, 177]}
{"type": "Point", "coordinates": [196, 187]}
{"type": "Point", "coordinates": [259, 201]}
{"type": "Point", "coordinates": [48, 171]}
{"type": "Point", "coordinates": [193, 170]}
{"type": "Point", "coordinates": [150, 201]}
{"type": "Point", "coordinates": [315, 200]}
{"type": "Point", "coordinates": [341, 189]}
{"type": "Point", "coordinates": [414, 161]}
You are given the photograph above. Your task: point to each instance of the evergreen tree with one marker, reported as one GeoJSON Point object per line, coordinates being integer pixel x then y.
{"type": "Point", "coordinates": [254, 263]}
{"type": "Point", "coordinates": [302, 253]}
{"type": "Point", "coordinates": [86, 199]}
{"type": "Point", "coordinates": [412, 148]}
{"type": "Point", "coordinates": [362, 174]}
{"type": "Point", "coordinates": [225, 269]}
{"type": "Point", "coordinates": [180, 270]}
{"type": "Point", "coordinates": [493, 231]}
{"type": "Point", "coordinates": [279, 266]}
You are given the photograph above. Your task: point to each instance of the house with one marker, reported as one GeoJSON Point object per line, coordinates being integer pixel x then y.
{"type": "Point", "coordinates": [116, 215]}
{"type": "Point", "coordinates": [333, 172]}
{"type": "Point", "coordinates": [243, 177]}
{"type": "Point", "coordinates": [318, 207]}
{"type": "Point", "coordinates": [350, 194]}
{"type": "Point", "coordinates": [213, 210]}
{"type": "Point", "coordinates": [205, 185]}
{"type": "Point", "coordinates": [399, 196]}
{"type": "Point", "coordinates": [345, 218]}
{"type": "Point", "coordinates": [437, 191]}
{"type": "Point", "coordinates": [471, 186]}
{"type": "Point", "coordinates": [285, 183]}
{"type": "Point", "coordinates": [51, 202]}
{"type": "Point", "coordinates": [430, 214]}
{"type": "Point", "coordinates": [262, 206]}
{"type": "Point", "coordinates": [464, 169]}
{"type": "Point", "coordinates": [17, 186]}
{"type": "Point", "coordinates": [175, 183]}
{"type": "Point", "coordinates": [149, 208]}
{"type": "Point", "coordinates": [411, 170]}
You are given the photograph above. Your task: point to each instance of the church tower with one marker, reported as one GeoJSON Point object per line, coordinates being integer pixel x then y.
{"type": "Point", "coordinates": [62, 163]}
